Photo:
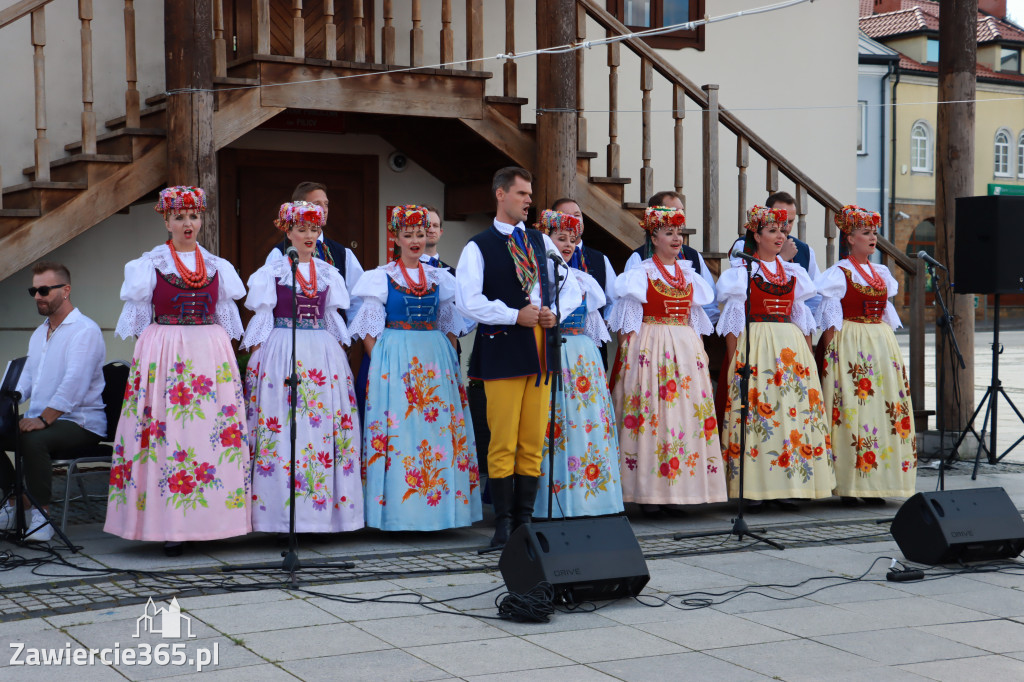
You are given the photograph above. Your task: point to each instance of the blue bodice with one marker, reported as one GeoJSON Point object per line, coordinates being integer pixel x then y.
{"type": "Point", "coordinates": [406, 310]}
{"type": "Point", "coordinates": [575, 323]}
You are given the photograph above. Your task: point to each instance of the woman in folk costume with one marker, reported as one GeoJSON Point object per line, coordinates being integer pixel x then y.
{"type": "Point", "coordinates": [180, 469]}
{"type": "Point", "coordinates": [586, 460]}
{"type": "Point", "coordinates": [660, 383]}
{"type": "Point", "coordinates": [788, 445]}
{"type": "Point", "coordinates": [864, 380]}
{"type": "Point", "coordinates": [328, 490]}
{"type": "Point", "coordinates": [420, 463]}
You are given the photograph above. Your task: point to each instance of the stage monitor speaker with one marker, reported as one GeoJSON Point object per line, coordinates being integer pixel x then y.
{"type": "Point", "coordinates": [948, 526]}
{"type": "Point", "coordinates": [989, 241]}
{"type": "Point", "coordinates": [584, 559]}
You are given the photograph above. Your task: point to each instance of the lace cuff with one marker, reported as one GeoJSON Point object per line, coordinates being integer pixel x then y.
{"type": "Point", "coordinates": [135, 317]}
{"type": "Point", "coordinates": [260, 326]}
{"type": "Point", "coordinates": [627, 315]}
{"type": "Point", "coordinates": [594, 328]}
{"type": "Point", "coordinates": [890, 317]}
{"type": "Point", "coordinates": [803, 318]}
{"type": "Point", "coordinates": [829, 314]}
{"type": "Point", "coordinates": [369, 321]}
{"type": "Point", "coordinates": [700, 322]}
{"type": "Point", "coordinates": [732, 319]}
{"type": "Point", "coordinates": [226, 315]}
{"type": "Point", "coordinates": [449, 320]}
{"type": "Point", "coordinates": [334, 324]}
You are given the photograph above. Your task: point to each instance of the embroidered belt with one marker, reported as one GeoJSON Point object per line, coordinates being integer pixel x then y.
{"type": "Point", "coordinates": [303, 323]}
{"type": "Point", "coordinates": [411, 325]}
{"type": "Point", "coordinates": [873, 310]}
{"type": "Point", "coordinates": [667, 319]}
{"type": "Point", "coordinates": [185, 320]}
{"type": "Point", "coordinates": [768, 317]}
{"type": "Point", "coordinates": [573, 331]}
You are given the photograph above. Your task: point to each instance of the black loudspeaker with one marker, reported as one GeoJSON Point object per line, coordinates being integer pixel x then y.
{"type": "Point", "coordinates": [584, 559]}
{"type": "Point", "coordinates": [959, 525]}
{"type": "Point", "coordinates": [989, 241]}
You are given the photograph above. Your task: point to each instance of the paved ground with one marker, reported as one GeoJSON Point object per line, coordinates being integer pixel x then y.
{"type": "Point", "coordinates": [422, 606]}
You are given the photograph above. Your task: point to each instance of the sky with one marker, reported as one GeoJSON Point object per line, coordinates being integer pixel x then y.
{"type": "Point", "coordinates": [1015, 8]}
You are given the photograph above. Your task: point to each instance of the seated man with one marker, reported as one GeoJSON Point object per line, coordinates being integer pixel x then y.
{"type": "Point", "coordinates": [63, 378]}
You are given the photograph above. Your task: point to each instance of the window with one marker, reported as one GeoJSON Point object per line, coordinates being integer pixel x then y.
{"type": "Point", "coordinates": [1009, 60]}
{"type": "Point", "coordinates": [933, 50]}
{"type": "Point", "coordinates": [1001, 154]}
{"type": "Point", "coordinates": [921, 148]}
{"type": "Point", "coordinates": [1020, 156]}
{"type": "Point", "coordinates": [643, 14]}
{"type": "Point", "coordinates": [862, 133]}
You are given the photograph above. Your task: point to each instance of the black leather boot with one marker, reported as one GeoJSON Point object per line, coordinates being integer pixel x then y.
{"type": "Point", "coordinates": [503, 499]}
{"type": "Point", "coordinates": [525, 498]}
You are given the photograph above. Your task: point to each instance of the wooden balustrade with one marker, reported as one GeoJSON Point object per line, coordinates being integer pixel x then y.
{"type": "Point", "coordinates": [447, 36]}
{"type": "Point", "coordinates": [678, 114]}
{"type": "Point", "coordinates": [646, 170]}
{"type": "Point", "coordinates": [41, 145]}
{"type": "Point", "coordinates": [742, 161]}
{"type": "Point", "coordinates": [709, 156]}
{"type": "Point", "coordinates": [388, 33]}
{"type": "Point", "coordinates": [88, 115]}
{"type": "Point", "coordinates": [220, 50]}
{"type": "Point", "coordinates": [330, 32]}
{"type": "Point", "coordinates": [581, 119]}
{"type": "Point", "coordinates": [416, 35]}
{"type": "Point", "coordinates": [510, 76]}
{"type": "Point", "coordinates": [358, 53]}
{"type": "Point", "coordinates": [298, 31]}
{"type": "Point", "coordinates": [801, 213]}
{"type": "Point", "coordinates": [613, 149]}
{"type": "Point", "coordinates": [474, 34]}
{"type": "Point", "coordinates": [131, 95]}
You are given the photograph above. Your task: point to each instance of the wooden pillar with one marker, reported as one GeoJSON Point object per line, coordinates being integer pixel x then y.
{"type": "Point", "coordinates": [954, 177]}
{"type": "Point", "coordinates": [188, 64]}
{"type": "Point", "coordinates": [709, 156]}
{"type": "Point", "coordinates": [556, 102]}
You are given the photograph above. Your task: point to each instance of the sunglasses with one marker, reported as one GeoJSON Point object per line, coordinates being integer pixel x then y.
{"type": "Point", "coordinates": [44, 291]}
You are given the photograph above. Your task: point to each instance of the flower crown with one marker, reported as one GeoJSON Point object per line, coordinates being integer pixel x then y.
{"type": "Point", "coordinates": [851, 217]}
{"type": "Point", "coordinates": [760, 216]}
{"type": "Point", "coordinates": [409, 215]}
{"type": "Point", "coordinates": [296, 213]}
{"type": "Point", "coordinates": [657, 217]}
{"type": "Point", "coordinates": [181, 198]}
{"type": "Point", "coordinates": [554, 221]}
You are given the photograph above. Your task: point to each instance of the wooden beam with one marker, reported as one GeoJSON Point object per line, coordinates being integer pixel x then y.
{"type": "Point", "coordinates": [556, 103]}
{"type": "Point", "coordinates": [600, 207]}
{"type": "Point", "coordinates": [238, 112]}
{"type": "Point", "coordinates": [506, 137]}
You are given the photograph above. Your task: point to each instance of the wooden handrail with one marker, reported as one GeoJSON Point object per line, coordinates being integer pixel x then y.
{"type": "Point", "coordinates": [731, 122]}
{"type": "Point", "coordinates": [19, 10]}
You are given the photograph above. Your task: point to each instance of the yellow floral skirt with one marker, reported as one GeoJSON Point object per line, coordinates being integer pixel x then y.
{"type": "Point", "coordinates": [864, 382]}
{"type": "Point", "coordinates": [789, 452]}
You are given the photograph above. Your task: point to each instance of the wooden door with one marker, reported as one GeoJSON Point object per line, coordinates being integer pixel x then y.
{"type": "Point", "coordinates": [256, 183]}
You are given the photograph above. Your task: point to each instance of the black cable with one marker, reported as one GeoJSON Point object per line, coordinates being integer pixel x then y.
{"type": "Point", "coordinates": [535, 606]}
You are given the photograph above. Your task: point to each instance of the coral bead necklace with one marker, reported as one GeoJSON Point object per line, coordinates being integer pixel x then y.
{"type": "Point", "coordinates": [308, 286]}
{"type": "Point", "coordinates": [676, 280]}
{"type": "Point", "coordinates": [779, 276]}
{"type": "Point", "coordinates": [194, 279]}
{"type": "Point", "coordinates": [421, 287]}
{"type": "Point", "coordinates": [873, 279]}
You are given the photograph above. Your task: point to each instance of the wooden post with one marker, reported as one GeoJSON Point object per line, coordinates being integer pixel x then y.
{"type": "Point", "coordinates": [188, 65]}
{"type": "Point", "coordinates": [475, 34]}
{"type": "Point", "coordinates": [742, 161]}
{"type": "Point", "coordinates": [801, 213]}
{"type": "Point", "coordinates": [511, 86]}
{"type": "Point", "coordinates": [132, 106]}
{"type": "Point", "coordinates": [556, 100]}
{"type": "Point", "coordinates": [388, 33]}
{"type": "Point", "coordinates": [298, 30]}
{"type": "Point", "coordinates": [220, 48]}
{"type": "Point", "coordinates": [447, 35]}
{"type": "Point", "coordinates": [88, 115]}
{"type": "Point", "coordinates": [710, 167]}
{"type": "Point", "coordinates": [678, 114]}
{"type": "Point", "coordinates": [830, 238]}
{"type": "Point", "coordinates": [917, 339]}
{"type": "Point", "coordinates": [330, 32]}
{"type": "Point", "coordinates": [416, 35]}
{"type": "Point", "coordinates": [41, 145]}
{"type": "Point", "coordinates": [581, 120]}
{"type": "Point", "coordinates": [612, 154]}
{"type": "Point", "coordinates": [646, 170]}
{"type": "Point", "coordinates": [262, 26]}
{"type": "Point", "coordinates": [771, 177]}
{"type": "Point", "coordinates": [954, 177]}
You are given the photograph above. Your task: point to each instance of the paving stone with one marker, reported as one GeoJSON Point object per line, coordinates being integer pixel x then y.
{"type": "Point", "coordinates": [264, 673]}
{"type": "Point", "coordinates": [997, 636]}
{"type": "Point", "coordinates": [814, 620]}
{"type": "Point", "coordinates": [709, 629]}
{"type": "Point", "coordinates": [604, 644]}
{"type": "Point", "coordinates": [373, 606]}
{"type": "Point", "coordinates": [245, 618]}
{"type": "Point", "coordinates": [970, 669]}
{"type": "Point", "coordinates": [997, 601]}
{"type": "Point", "coordinates": [899, 646]}
{"type": "Point", "coordinates": [437, 628]}
{"type": "Point", "coordinates": [312, 642]}
{"type": "Point", "coordinates": [911, 611]}
{"type": "Point", "coordinates": [695, 666]}
{"type": "Point", "coordinates": [508, 654]}
{"type": "Point", "coordinates": [229, 655]}
{"type": "Point", "coordinates": [372, 667]}
{"type": "Point", "coordinates": [568, 673]}
{"type": "Point", "coordinates": [792, 657]}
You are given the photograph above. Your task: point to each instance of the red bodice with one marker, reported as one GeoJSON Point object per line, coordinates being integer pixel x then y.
{"type": "Point", "coordinates": [862, 303]}
{"type": "Point", "coordinates": [772, 302]}
{"type": "Point", "coordinates": [666, 304]}
{"type": "Point", "coordinates": [175, 303]}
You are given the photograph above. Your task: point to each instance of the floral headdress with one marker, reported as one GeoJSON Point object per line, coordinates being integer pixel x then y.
{"type": "Point", "coordinates": [409, 215]}
{"type": "Point", "coordinates": [181, 198]}
{"type": "Point", "coordinates": [851, 217]}
{"type": "Point", "coordinates": [296, 213]}
{"type": "Point", "coordinates": [760, 216]}
{"type": "Point", "coordinates": [554, 221]}
{"type": "Point", "coordinates": [657, 217]}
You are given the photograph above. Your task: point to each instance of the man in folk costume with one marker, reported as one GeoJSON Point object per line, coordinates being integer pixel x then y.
{"type": "Point", "coordinates": [506, 284]}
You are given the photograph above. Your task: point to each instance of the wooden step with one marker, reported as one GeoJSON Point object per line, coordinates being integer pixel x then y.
{"type": "Point", "coordinates": [235, 81]}
{"type": "Point", "coordinates": [614, 187]}
{"type": "Point", "coordinates": [42, 196]}
{"type": "Point", "coordinates": [156, 99]}
{"type": "Point", "coordinates": [155, 113]}
{"type": "Point", "coordinates": [123, 141]}
{"type": "Point", "coordinates": [583, 160]}
{"type": "Point", "coordinates": [20, 213]}
{"type": "Point", "coordinates": [528, 127]}
{"type": "Point", "coordinates": [509, 107]}
{"type": "Point", "coordinates": [87, 168]}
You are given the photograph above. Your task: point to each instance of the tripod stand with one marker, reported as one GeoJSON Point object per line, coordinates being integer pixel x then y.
{"type": "Point", "coordinates": [19, 491]}
{"type": "Point", "coordinates": [991, 399]}
{"type": "Point", "coordinates": [739, 524]}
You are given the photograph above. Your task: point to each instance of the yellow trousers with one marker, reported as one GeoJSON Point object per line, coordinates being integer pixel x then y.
{"type": "Point", "coordinates": [517, 416]}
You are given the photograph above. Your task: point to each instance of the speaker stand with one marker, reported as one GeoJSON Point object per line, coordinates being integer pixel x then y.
{"type": "Point", "coordinates": [991, 403]}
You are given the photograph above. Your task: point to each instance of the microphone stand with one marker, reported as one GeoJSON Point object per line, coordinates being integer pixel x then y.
{"type": "Point", "coordinates": [556, 386]}
{"type": "Point", "coordinates": [291, 557]}
{"type": "Point", "coordinates": [739, 524]}
{"type": "Point", "coordinates": [945, 324]}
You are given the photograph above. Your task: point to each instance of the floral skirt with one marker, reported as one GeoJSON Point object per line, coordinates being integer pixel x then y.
{"type": "Point", "coordinates": [788, 444]}
{"type": "Point", "coordinates": [421, 469]}
{"type": "Point", "coordinates": [873, 439]}
{"type": "Point", "coordinates": [180, 469]}
{"type": "Point", "coordinates": [667, 428]}
{"type": "Point", "coordinates": [328, 491]}
{"type": "Point", "coordinates": [586, 461]}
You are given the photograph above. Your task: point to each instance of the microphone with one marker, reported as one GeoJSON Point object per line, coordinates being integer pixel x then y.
{"type": "Point", "coordinates": [293, 254]}
{"type": "Point", "coordinates": [923, 255]}
{"type": "Point", "coordinates": [556, 257]}
{"type": "Point", "coordinates": [739, 253]}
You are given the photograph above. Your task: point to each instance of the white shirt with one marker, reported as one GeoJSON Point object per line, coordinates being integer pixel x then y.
{"type": "Point", "coordinates": [66, 372]}
{"type": "Point", "coordinates": [634, 261]}
{"type": "Point", "coordinates": [609, 281]}
{"type": "Point", "coordinates": [353, 271]}
{"type": "Point", "coordinates": [814, 301]}
{"type": "Point", "coordinates": [469, 277]}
